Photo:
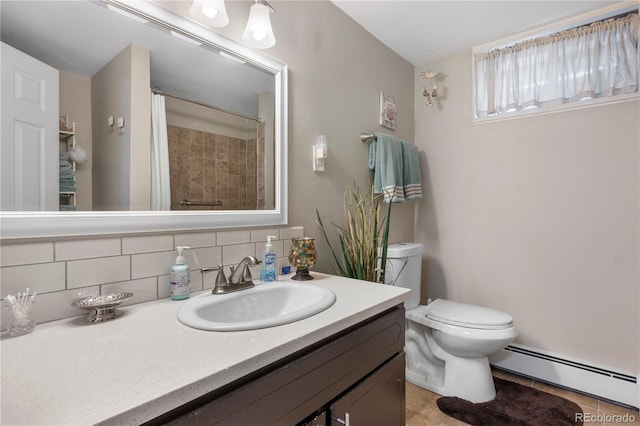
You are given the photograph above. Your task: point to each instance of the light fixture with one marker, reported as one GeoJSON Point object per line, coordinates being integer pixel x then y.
{"type": "Point", "coordinates": [258, 32]}
{"type": "Point", "coordinates": [213, 13]}
{"type": "Point", "coordinates": [319, 153]}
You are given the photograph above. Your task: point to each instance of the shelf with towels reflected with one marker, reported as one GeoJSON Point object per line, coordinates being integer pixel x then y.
{"type": "Point", "coordinates": [67, 167]}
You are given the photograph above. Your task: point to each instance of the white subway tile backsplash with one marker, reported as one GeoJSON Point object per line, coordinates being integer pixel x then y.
{"type": "Point", "coordinates": [209, 278]}
{"type": "Point", "coordinates": [164, 282]}
{"type": "Point", "coordinates": [23, 254]}
{"type": "Point", "coordinates": [83, 249]}
{"type": "Point", "coordinates": [279, 247]}
{"type": "Point", "coordinates": [261, 234]}
{"type": "Point", "coordinates": [196, 239]}
{"type": "Point", "coordinates": [196, 281]}
{"type": "Point", "coordinates": [233, 237]}
{"type": "Point", "coordinates": [204, 257]}
{"type": "Point", "coordinates": [291, 232]}
{"type": "Point", "coordinates": [143, 290]}
{"type": "Point", "coordinates": [231, 255]}
{"type": "Point", "coordinates": [43, 278]}
{"type": "Point", "coordinates": [255, 271]}
{"type": "Point", "coordinates": [152, 264]}
{"type": "Point", "coordinates": [82, 273]}
{"type": "Point", "coordinates": [131, 245]}
{"type": "Point", "coordinates": [63, 271]}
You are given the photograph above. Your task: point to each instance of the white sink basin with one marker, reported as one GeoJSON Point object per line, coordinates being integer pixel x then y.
{"type": "Point", "coordinates": [265, 305]}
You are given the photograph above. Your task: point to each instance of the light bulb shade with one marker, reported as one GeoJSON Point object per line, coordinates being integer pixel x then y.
{"type": "Point", "coordinates": [212, 13]}
{"type": "Point", "coordinates": [321, 141]}
{"type": "Point", "coordinates": [258, 32]}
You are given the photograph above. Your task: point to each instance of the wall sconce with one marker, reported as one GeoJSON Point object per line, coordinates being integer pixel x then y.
{"type": "Point", "coordinates": [210, 12]}
{"type": "Point", "coordinates": [120, 124]}
{"type": "Point", "coordinates": [430, 95]}
{"type": "Point", "coordinates": [258, 32]}
{"type": "Point", "coordinates": [319, 153]}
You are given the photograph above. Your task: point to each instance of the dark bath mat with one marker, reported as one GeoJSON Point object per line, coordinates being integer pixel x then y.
{"type": "Point", "coordinates": [514, 404]}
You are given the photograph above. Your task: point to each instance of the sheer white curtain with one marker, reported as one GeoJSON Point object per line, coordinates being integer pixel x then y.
{"type": "Point", "coordinates": [593, 61]}
{"type": "Point", "coordinates": [160, 186]}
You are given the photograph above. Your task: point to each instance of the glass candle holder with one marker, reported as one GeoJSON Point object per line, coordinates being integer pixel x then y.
{"type": "Point", "coordinates": [302, 256]}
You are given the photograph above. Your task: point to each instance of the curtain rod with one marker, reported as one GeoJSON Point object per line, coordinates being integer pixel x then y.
{"type": "Point", "coordinates": [237, 114]}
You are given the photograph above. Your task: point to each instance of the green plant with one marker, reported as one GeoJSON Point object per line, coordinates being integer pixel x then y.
{"type": "Point", "coordinates": [365, 231]}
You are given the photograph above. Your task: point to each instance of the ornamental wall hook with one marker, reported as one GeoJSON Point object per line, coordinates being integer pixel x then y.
{"type": "Point", "coordinates": [430, 94]}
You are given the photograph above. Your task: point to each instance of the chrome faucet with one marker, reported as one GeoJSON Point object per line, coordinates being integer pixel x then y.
{"type": "Point", "coordinates": [241, 274]}
{"type": "Point", "coordinates": [240, 278]}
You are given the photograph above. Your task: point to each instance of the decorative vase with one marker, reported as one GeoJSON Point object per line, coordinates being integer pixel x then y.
{"type": "Point", "coordinates": [302, 256]}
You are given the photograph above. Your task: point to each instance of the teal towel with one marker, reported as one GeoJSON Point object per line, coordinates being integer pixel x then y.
{"type": "Point", "coordinates": [385, 159]}
{"type": "Point", "coordinates": [411, 183]}
{"type": "Point", "coordinates": [396, 168]}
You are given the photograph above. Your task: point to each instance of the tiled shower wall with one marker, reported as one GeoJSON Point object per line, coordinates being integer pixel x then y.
{"type": "Point", "coordinates": [211, 167]}
{"type": "Point", "coordinates": [63, 271]}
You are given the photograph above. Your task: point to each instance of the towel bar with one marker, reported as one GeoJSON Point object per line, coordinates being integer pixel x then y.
{"type": "Point", "coordinates": [366, 137]}
{"type": "Point", "coordinates": [200, 203]}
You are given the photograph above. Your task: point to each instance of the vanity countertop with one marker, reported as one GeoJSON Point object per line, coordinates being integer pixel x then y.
{"type": "Point", "coordinates": [145, 363]}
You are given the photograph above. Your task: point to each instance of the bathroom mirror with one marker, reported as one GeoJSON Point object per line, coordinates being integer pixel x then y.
{"type": "Point", "coordinates": [219, 72]}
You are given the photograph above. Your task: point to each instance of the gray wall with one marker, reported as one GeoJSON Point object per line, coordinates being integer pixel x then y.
{"type": "Point", "coordinates": [336, 73]}
{"type": "Point", "coordinates": [536, 216]}
{"type": "Point", "coordinates": [121, 89]}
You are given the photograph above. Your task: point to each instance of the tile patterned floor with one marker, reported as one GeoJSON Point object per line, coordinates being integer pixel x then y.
{"type": "Point", "coordinates": [421, 408]}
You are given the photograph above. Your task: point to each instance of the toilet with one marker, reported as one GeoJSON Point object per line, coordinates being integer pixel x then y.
{"type": "Point", "coordinates": [447, 343]}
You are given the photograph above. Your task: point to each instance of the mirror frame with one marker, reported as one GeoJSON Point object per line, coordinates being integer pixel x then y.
{"type": "Point", "coordinates": [40, 224]}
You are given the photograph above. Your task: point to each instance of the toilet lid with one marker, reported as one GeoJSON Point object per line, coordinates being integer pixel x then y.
{"type": "Point", "coordinates": [462, 314]}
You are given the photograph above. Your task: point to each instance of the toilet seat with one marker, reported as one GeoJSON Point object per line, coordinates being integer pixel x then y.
{"type": "Point", "coordinates": [469, 316]}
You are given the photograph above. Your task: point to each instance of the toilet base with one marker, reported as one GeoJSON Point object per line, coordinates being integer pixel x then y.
{"type": "Point", "coordinates": [466, 378]}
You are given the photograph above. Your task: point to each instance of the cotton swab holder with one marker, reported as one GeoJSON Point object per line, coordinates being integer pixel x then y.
{"type": "Point", "coordinates": [19, 307]}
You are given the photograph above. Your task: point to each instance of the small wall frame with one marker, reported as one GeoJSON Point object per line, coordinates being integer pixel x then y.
{"type": "Point", "coordinates": [388, 111]}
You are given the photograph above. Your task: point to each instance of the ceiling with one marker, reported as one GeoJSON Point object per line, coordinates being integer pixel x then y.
{"type": "Point", "coordinates": [422, 31]}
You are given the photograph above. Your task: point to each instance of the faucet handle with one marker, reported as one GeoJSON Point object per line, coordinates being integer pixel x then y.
{"type": "Point", "coordinates": [221, 278]}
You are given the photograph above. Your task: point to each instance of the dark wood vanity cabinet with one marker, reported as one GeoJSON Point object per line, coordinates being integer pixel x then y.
{"type": "Point", "coordinates": [378, 400]}
{"type": "Point", "coordinates": [355, 377]}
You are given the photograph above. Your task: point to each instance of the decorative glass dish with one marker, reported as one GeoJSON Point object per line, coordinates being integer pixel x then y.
{"type": "Point", "coordinates": [102, 307]}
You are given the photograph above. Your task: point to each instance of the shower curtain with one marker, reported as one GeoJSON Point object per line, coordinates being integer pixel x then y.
{"type": "Point", "coordinates": [160, 186]}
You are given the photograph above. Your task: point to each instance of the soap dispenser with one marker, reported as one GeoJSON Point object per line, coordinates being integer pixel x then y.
{"type": "Point", "coordinates": [269, 272]}
{"type": "Point", "coordinates": [180, 278]}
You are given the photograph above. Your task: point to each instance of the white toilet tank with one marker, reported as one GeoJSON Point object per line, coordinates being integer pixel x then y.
{"type": "Point", "coordinates": [404, 269]}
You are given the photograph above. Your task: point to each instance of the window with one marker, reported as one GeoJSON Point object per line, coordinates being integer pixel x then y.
{"type": "Point", "coordinates": [592, 61]}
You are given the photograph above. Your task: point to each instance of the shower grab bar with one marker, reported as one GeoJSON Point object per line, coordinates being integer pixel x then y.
{"type": "Point", "coordinates": [185, 202]}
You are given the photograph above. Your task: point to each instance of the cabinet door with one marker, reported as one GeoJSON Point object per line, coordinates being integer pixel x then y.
{"type": "Point", "coordinates": [378, 400]}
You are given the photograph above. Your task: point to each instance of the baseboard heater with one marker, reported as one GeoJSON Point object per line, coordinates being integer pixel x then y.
{"type": "Point", "coordinates": [615, 386]}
